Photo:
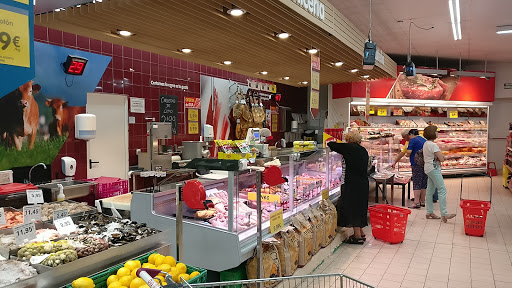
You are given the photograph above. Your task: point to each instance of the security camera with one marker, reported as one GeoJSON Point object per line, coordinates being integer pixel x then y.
{"type": "Point", "coordinates": [410, 69]}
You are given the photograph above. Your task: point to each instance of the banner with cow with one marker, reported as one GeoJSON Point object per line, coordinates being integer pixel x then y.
{"type": "Point", "coordinates": [38, 116]}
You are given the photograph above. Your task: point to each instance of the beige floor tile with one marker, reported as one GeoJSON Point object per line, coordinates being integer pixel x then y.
{"type": "Point", "coordinates": [389, 284]}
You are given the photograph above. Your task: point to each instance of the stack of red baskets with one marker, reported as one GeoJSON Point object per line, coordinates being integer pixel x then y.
{"type": "Point", "coordinates": [388, 222]}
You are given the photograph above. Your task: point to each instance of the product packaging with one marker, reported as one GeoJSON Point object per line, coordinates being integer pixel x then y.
{"type": "Point", "coordinates": [288, 249]}
{"type": "Point", "coordinates": [330, 220]}
{"type": "Point", "coordinates": [305, 239]}
{"type": "Point", "coordinates": [271, 264]}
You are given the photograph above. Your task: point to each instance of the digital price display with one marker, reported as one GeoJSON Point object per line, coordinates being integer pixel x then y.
{"type": "Point", "coordinates": [75, 65]}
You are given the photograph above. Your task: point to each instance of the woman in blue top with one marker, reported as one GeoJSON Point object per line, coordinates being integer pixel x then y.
{"type": "Point", "coordinates": [419, 178]}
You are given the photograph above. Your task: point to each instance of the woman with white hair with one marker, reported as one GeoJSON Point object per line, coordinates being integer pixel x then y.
{"type": "Point", "coordinates": [353, 204]}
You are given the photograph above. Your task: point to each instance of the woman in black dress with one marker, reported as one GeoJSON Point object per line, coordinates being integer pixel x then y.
{"type": "Point", "coordinates": [353, 204]}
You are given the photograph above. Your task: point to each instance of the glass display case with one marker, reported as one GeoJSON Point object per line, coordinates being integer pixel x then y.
{"type": "Point", "coordinates": [231, 224]}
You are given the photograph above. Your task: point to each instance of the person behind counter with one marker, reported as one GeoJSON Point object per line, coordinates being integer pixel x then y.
{"type": "Point", "coordinates": [353, 204]}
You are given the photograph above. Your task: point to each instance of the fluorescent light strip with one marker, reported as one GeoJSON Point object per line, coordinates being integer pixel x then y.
{"type": "Point", "coordinates": [457, 14]}
{"type": "Point", "coordinates": [452, 19]}
{"type": "Point", "coordinates": [506, 29]}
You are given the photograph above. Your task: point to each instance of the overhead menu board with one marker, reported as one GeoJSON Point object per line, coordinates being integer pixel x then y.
{"type": "Point", "coordinates": [169, 111]}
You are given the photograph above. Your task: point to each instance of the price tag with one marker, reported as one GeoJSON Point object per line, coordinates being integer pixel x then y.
{"type": "Point", "coordinates": [2, 216]}
{"type": "Point", "coordinates": [38, 259]}
{"type": "Point", "coordinates": [35, 196]}
{"type": "Point", "coordinates": [31, 213]}
{"type": "Point", "coordinates": [398, 112]}
{"type": "Point", "coordinates": [382, 112]}
{"type": "Point", "coordinates": [276, 221]}
{"type": "Point", "coordinates": [453, 114]}
{"type": "Point", "coordinates": [65, 226]}
{"type": "Point", "coordinates": [59, 214]}
{"type": "Point", "coordinates": [193, 115]}
{"type": "Point", "coordinates": [325, 194]}
{"type": "Point", "coordinates": [24, 232]}
{"type": "Point", "coordinates": [264, 197]}
{"type": "Point", "coordinates": [193, 127]}
{"type": "Point", "coordinates": [372, 110]}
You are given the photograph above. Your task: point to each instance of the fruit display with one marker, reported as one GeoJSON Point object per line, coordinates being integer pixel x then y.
{"type": "Point", "coordinates": [47, 209]}
{"type": "Point", "coordinates": [60, 258]}
{"type": "Point", "coordinates": [83, 282]}
{"type": "Point", "coordinates": [87, 245]}
{"type": "Point", "coordinates": [42, 235]}
{"type": "Point", "coordinates": [12, 271]}
{"type": "Point", "coordinates": [36, 249]}
{"type": "Point", "coordinates": [12, 219]}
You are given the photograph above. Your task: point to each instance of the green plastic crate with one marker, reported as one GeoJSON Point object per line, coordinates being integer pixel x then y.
{"type": "Point", "coordinates": [234, 274]}
{"type": "Point", "coordinates": [100, 279]}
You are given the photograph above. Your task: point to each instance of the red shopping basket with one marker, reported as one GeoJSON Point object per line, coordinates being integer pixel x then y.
{"type": "Point", "coordinates": [475, 211]}
{"type": "Point", "coordinates": [389, 222]}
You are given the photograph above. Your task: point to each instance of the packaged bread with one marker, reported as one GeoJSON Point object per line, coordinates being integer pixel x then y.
{"type": "Point", "coordinates": [316, 228]}
{"type": "Point", "coordinates": [305, 239]}
{"type": "Point", "coordinates": [321, 232]}
{"type": "Point", "coordinates": [270, 261]}
{"type": "Point", "coordinates": [330, 219]}
{"type": "Point", "coordinates": [325, 225]}
{"type": "Point", "coordinates": [288, 249]}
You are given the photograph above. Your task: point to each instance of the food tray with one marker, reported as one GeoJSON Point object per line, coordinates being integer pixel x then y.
{"type": "Point", "coordinates": [92, 210]}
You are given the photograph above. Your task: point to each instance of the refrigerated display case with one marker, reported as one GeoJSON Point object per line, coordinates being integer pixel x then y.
{"type": "Point", "coordinates": [231, 229]}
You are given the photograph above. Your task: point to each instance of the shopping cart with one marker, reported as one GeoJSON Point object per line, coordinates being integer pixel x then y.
{"type": "Point", "coordinates": [475, 211]}
{"type": "Point", "coordinates": [307, 281]}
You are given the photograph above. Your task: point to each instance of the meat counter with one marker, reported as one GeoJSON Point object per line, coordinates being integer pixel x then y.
{"type": "Point", "coordinates": [222, 238]}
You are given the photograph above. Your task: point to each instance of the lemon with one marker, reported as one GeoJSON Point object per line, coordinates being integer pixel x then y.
{"type": "Point", "coordinates": [134, 273]}
{"type": "Point", "coordinates": [165, 267]}
{"type": "Point", "coordinates": [170, 260]}
{"type": "Point", "coordinates": [159, 259]}
{"type": "Point", "coordinates": [83, 282]}
{"type": "Point", "coordinates": [123, 272]}
{"type": "Point", "coordinates": [137, 282]}
{"type": "Point", "coordinates": [175, 277]}
{"type": "Point", "coordinates": [182, 268]}
{"type": "Point", "coordinates": [125, 280]}
{"type": "Point", "coordinates": [184, 276]}
{"type": "Point", "coordinates": [115, 284]}
{"type": "Point", "coordinates": [151, 258]}
{"type": "Point", "coordinates": [112, 278]}
{"type": "Point", "coordinates": [194, 274]}
{"type": "Point", "coordinates": [161, 279]}
{"type": "Point", "coordinates": [132, 265]}
{"type": "Point", "coordinates": [146, 265]}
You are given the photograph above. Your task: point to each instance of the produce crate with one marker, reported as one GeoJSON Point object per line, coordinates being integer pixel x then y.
{"type": "Point", "coordinates": [114, 187]}
{"type": "Point", "coordinates": [100, 279]}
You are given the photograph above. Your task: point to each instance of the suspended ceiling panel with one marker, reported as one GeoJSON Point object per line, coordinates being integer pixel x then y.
{"type": "Point", "coordinates": [164, 26]}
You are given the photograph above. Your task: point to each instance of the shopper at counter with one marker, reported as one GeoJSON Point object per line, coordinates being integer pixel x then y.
{"type": "Point", "coordinates": [433, 157]}
{"type": "Point", "coordinates": [353, 205]}
{"type": "Point", "coordinates": [419, 178]}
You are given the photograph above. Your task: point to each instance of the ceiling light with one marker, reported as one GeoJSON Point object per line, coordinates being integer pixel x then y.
{"type": "Point", "coordinates": [282, 35]}
{"type": "Point", "coordinates": [338, 64]}
{"type": "Point", "coordinates": [366, 76]}
{"type": "Point", "coordinates": [354, 70]}
{"type": "Point", "coordinates": [227, 62]}
{"type": "Point", "coordinates": [124, 33]}
{"type": "Point", "coordinates": [505, 29]}
{"type": "Point", "coordinates": [304, 82]}
{"type": "Point", "coordinates": [473, 74]}
{"type": "Point", "coordinates": [286, 78]}
{"type": "Point", "coordinates": [454, 6]}
{"type": "Point", "coordinates": [264, 72]}
{"type": "Point", "coordinates": [186, 50]}
{"type": "Point", "coordinates": [433, 72]}
{"type": "Point", "coordinates": [236, 12]}
{"type": "Point", "coordinates": [313, 50]}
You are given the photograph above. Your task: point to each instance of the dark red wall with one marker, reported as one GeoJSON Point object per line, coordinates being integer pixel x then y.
{"type": "Point", "coordinates": [148, 66]}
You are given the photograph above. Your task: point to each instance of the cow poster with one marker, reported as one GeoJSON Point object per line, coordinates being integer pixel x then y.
{"type": "Point", "coordinates": [38, 116]}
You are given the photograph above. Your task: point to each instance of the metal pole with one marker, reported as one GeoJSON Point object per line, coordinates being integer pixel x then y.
{"type": "Point", "coordinates": [231, 191]}
{"type": "Point", "coordinates": [259, 248]}
{"type": "Point", "coordinates": [291, 180]}
{"type": "Point", "coordinates": [179, 221]}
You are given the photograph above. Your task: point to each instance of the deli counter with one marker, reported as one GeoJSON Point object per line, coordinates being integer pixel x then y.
{"type": "Point", "coordinates": [230, 227]}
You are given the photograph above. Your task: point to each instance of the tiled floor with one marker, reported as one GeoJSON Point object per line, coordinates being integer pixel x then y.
{"type": "Point", "coordinates": [433, 254]}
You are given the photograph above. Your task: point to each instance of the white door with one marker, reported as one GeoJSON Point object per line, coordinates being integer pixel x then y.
{"type": "Point", "coordinates": [107, 154]}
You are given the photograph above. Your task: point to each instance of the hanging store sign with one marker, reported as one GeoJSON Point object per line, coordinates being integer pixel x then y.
{"type": "Point", "coordinates": [261, 86]}
{"type": "Point", "coordinates": [314, 7]}
{"type": "Point", "coordinates": [192, 102]}
{"type": "Point", "coordinates": [314, 96]}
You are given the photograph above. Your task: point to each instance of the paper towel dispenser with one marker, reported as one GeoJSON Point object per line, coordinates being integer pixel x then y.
{"type": "Point", "coordinates": [85, 126]}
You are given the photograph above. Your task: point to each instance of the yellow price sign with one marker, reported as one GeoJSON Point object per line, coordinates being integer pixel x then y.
{"type": "Point", "coordinates": [22, 1]}
{"type": "Point", "coordinates": [264, 197]}
{"type": "Point", "coordinates": [273, 88]}
{"type": "Point", "coordinates": [372, 110]}
{"type": "Point", "coordinates": [453, 114]}
{"type": "Point", "coordinates": [276, 221]}
{"type": "Point", "coordinates": [398, 112]}
{"type": "Point", "coordinates": [325, 194]}
{"type": "Point", "coordinates": [14, 39]}
{"type": "Point", "coordinates": [382, 112]}
{"type": "Point", "coordinates": [315, 80]}
{"type": "Point", "coordinates": [193, 127]}
{"type": "Point", "coordinates": [193, 115]}
{"type": "Point", "coordinates": [274, 123]}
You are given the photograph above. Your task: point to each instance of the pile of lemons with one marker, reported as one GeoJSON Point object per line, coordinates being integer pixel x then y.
{"type": "Point", "coordinates": [126, 276]}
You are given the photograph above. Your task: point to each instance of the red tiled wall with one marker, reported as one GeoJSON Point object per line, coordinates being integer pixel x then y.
{"type": "Point", "coordinates": [147, 66]}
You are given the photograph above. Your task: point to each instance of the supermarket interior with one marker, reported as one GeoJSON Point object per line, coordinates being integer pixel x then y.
{"type": "Point", "coordinates": [244, 143]}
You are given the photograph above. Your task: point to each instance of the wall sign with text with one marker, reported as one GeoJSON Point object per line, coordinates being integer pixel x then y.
{"type": "Point", "coordinates": [169, 111]}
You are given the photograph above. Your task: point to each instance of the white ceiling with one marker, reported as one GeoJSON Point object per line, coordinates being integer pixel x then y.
{"type": "Point", "coordinates": [479, 21]}
{"type": "Point", "coordinates": [49, 5]}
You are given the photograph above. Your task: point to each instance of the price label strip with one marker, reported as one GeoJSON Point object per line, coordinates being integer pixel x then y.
{"type": "Point", "coordinates": [35, 196]}
{"type": "Point", "coordinates": [264, 197]}
{"type": "Point", "coordinates": [31, 213]}
{"type": "Point", "coordinates": [65, 226]}
{"type": "Point", "coordinates": [59, 214]}
{"type": "Point", "coordinates": [325, 194]}
{"type": "Point", "coordinates": [276, 221]}
{"type": "Point", "coordinates": [2, 216]}
{"type": "Point", "coordinates": [24, 232]}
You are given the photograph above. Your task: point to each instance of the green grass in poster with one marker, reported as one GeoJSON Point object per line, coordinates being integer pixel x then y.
{"type": "Point", "coordinates": [44, 151]}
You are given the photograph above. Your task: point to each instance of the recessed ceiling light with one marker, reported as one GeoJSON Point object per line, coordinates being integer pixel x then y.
{"type": "Point", "coordinates": [304, 82]}
{"type": "Point", "coordinates": [286, 78]}
{"type": "Point", "coordinates": [264, 72]}
{"type": "Point", "coordinates": [338, 64]}
{"type": "Point", "coordinates": [505, 29]}
{"type": "Point", "coordinates": [236, 12]}
{"type": "Point", "coordinates": [312, 50]}
{"type": "Point", "coordinates": [227, 62]}
{"type": "Point", "coordinates": [366, 76]}
{"type": "Point", "coordinates": [283, 35]}
{"type": "Point", "coordinates": [354, 70]}
{"type": "Point", "coordinates": [186, 50]}
{"type": "Point", "coordinates": [124, 33]}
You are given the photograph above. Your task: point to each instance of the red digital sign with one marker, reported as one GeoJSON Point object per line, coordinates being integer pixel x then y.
{"type": "Point", "coordinates": [75, 65]}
